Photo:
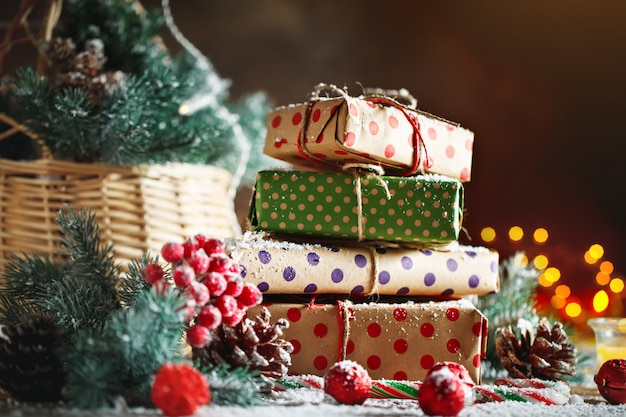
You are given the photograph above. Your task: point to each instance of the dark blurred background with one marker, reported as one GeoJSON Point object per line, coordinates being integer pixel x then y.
{"type": "Point", "coordinates": [542, 85]}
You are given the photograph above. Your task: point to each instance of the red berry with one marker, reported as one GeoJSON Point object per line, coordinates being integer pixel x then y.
{"type": "Point", "coordinates": [190, 309]}
{"type": "Point", "coordinates": [198, 336]}
{"type": "Point", "coordinates": [234, 287]}
{"type": "Point", "coordinates": [347, 382]}
{"type": "Point", "coordinates": [172, 252]}
{"type": "Point", "coordinates": [236, 316]}
{"type": "Point", "coordinates": [184, 275]}
{"type": "Point", "coordinates": [443, 392]}
{"type": "Point", "coordinates": [220, 262]}
{"type": "Point", "coordinates": [216, 283]}
{"type": "Point", "coordinates": [214, 245]}
{"type": "Point", "coordinates": [198, 292]}
{"type": "Point", "coordinates": [227, 305]}
{"type": "Point", "coordinates": [210, 316]}
{"type": "Point", "coordinates": [611, 381]}
{"type": "Point", "coordinates": [250, 295]}
{"type": "Point", "coordinates": [189, 247]}
{"type": "Point", "coordinates": [199, 261]}
{"type": "Point", "coordinates": [179, 389]}
{"type": "Point", "coordinates": [234, 268]}
{"type": "Point", "coordinates": [201, 240]}
{"type": "Point", "coordinates": [152, 272]}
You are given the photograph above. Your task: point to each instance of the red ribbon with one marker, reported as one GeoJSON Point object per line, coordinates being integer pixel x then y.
{"type": "Point", "coordinates": [418, 140]}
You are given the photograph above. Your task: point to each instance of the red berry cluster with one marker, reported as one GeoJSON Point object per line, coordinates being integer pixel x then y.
{"type": "Point", "coordinates": [216, 292]}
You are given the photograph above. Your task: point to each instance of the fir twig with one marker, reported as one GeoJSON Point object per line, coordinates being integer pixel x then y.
{"type": "Point", "coordinates": [127, 352]}
{"type": "Point", "coordinates": [234, 386]}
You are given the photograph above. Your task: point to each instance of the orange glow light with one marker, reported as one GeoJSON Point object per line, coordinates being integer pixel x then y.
{"type": "Point", "coordinates": [488, 234]}
{"type": "Point", "coordinates": [600, 301]}
{"type": "Point", "coordinates": [540, 262]}
{"type": "Point", "coordinates": [563, 291]}
{"type": "Point", "coordinates": [516, 233]}
{"type": "Point", "coordinates": [540, 235]}
{"type": "Point", "coordinates": [606, 267]}
{"type": "Point", "coordinates": [557, 302]}
{"type": "Point", "coordinates": [573, 309]}
{"type": "Point", "coordinates": [617, 285]}
{"type": "Point", "coordinates": [589, 259]}
{"type": "Point", "coordinates": [602, 278]}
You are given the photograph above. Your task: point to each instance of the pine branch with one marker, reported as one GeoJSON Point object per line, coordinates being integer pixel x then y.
{"type": "Point", "coordinates": [234, 386]}
{"type": "Point", "coordinates": [88, 257]}
{"type": "Point", "coordinates": [130, 349]}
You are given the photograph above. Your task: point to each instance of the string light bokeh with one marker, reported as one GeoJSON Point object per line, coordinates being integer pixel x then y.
{"type": "Point", "coordinates": [603, 295]}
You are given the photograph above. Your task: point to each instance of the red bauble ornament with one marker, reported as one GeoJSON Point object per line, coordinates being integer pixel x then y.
{"type": "Point", "coordinates": [611, 381]}
{"type": "Point", "coordinates": [347, 382]}
{"type": "Point", "coordinates": [444, 390]}
{"type": "Point", "coordinates": [179, 390]}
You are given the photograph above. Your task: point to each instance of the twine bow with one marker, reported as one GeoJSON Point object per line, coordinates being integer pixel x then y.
{"type": "Point", "coordinates": [398, 100]}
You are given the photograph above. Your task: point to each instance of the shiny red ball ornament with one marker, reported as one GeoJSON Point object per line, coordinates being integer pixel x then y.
{"type": "Point", "coordinates": [179, 389]}
{"type": "Point", "coordinates": [445, 389]}
{"type": "Point", "coordinates": [611, 381]}
{"type": "Point", "coordinates": [347, 382]}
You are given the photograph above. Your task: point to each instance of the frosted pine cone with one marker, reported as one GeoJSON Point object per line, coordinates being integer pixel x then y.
{"type": "Point", "coordinates": [545, 355]}
{"type": "Point", "coordinates": [256, 344]}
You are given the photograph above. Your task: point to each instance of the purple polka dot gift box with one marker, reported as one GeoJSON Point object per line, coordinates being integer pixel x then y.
{"type": "Point", "coordinates": [283, 267]}
{"type": "Point", "coordinates": [359, 206]}
{"type": "Point", "coordinates": [328, 132]}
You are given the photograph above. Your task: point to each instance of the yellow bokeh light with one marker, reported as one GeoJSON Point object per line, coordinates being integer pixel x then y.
{"type": "Point", "coordinates": [602, 278]}
{"type": "Point", "coordinates": [540, 262]}
{"type": "Point", "coordinates": [540, 235]}
{"type": "Point", "coordinates": [617, 285]}
{"type": "Point", "coordinates": [557, 302]}
{"type": "Point", "coordinates": [600, 301]}
{"type": "Point", "coordinates": [563, 291]}
{"type": "Point", "coordinates": [488, 234]}
{"type": "Point", "coordinates": [606, 267]}
{"type": "Point", "coordinates": [543, 281]}
{"type": "Point", "coordinates": [552, 274]}
{"type": "Point", "coordinates": [521, 260]}
{"type": "Point", "coordinates": [516, 233]}
{"type": "Point", "coordinates": [589, 259]}
{"type": "Point", "coordinates": [596, 251]}
{"type": "Point", "coordinates": [573, 309]}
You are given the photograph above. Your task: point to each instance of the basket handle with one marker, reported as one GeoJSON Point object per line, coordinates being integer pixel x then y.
{"type": "Point", "coordinates": [15, 127]}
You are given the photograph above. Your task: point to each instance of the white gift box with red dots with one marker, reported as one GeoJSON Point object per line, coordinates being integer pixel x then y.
{"type": "Point", "coordinates": [399, 341]}
{"type": "Point", "coordinates": [357, 130]}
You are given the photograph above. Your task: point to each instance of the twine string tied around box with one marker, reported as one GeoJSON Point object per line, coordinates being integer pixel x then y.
{"type": "Point", "coordinates": [369, 170]}
{"type": "Point", "coordinates": [403, 101]}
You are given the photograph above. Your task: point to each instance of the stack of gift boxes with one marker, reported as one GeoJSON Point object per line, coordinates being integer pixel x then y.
{"type": "Point", "coordinates": [358, 249]}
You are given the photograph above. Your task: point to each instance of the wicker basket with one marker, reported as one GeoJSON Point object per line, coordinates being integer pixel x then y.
{"type": "Point", "coordinates": [137, 210]}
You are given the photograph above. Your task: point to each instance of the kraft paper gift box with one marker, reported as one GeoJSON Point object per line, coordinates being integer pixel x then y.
{"type": "Point", "coordinates": [399, 341]}
{"type": "Point", "coordinates": [326, 133]}
{"type": "Point", "coordinates": [424, 209]}
{"type": "Point", "coordinates": [284, 267]}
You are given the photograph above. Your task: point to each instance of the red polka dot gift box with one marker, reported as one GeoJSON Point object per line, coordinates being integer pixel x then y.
{"type": "Point", "coordinates": [359, 206]}
{"type": "Point", "coordinates": [285, 267]}
{"type": "Point", "coordinates": [399, 341]}
{"type": "Point", "coordinates": [328, 132]}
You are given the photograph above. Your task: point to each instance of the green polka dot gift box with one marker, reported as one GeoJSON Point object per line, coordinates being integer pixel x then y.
{"type": "Point", "coordinates": [326, 133]}
{"type": "Point", "coordinates": [359, 206]}
{"type": "Point", "coordinates": [397, 341]}
{"type": "Point", "coordinates": [285, 267]}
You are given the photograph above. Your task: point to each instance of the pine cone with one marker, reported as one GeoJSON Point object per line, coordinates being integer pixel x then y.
{"type": "Point", "coordinates": [546, 355]}
{"type": "Point", "coordinates": [30, 368]}
{"type": "Point", "coordinates": [255, 344]}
